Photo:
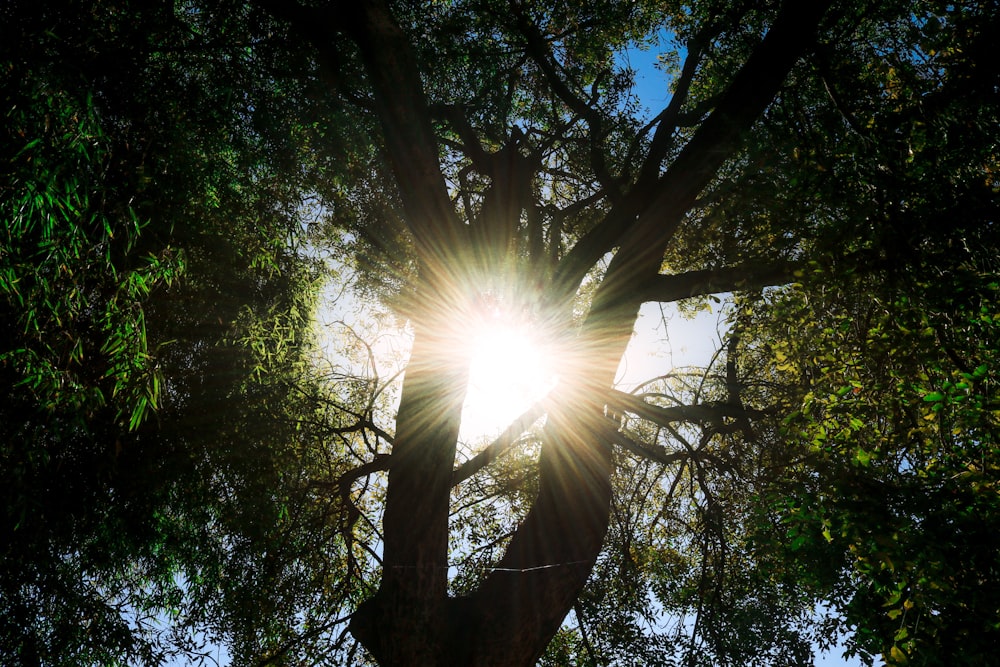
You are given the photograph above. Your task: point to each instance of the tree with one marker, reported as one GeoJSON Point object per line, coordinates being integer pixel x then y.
{"type": "Point", "coordinates": [893, 412]}
{"type": "Point", "coordinates": [636, 203]}
{"type": "Point", "coordinates": [484, 152]}
{"type": "Point", "coordinates": [520, 603]}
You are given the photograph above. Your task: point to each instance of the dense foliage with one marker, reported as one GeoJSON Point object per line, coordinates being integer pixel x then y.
{"type": "Point", "coordinates": [155, 308]}
{"type": "Point", "coordinates": [184, 477]}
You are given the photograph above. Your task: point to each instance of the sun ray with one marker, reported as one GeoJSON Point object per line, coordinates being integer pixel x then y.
{"type": "Point", "coordinates": [510, 369]}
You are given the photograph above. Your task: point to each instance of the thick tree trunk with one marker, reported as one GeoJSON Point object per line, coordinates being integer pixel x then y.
{"type": "Point", "coordinates": [513, 615]}
{"type": "Point", "coordinates": [405, 623]}
{"type": "Point", "coordinates": [515, 612]}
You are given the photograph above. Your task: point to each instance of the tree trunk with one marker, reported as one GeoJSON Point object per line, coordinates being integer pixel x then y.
{"type": "Point", "coordinates": [513, 615]}
{"type": "Point", "coordinates": [405, 623]}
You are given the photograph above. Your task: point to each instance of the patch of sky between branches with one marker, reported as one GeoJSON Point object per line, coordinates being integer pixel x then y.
{"type": "Point", "coordinates": [654, 64]}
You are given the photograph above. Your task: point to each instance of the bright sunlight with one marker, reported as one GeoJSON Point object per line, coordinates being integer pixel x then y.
{"type": "Point", "coordinates": [510, 370]}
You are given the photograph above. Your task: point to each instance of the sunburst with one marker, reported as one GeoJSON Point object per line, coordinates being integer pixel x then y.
{"type": "Point", "coordinates": [511, 368]}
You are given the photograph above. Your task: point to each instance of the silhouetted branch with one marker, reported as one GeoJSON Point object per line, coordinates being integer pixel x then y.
{"type": "Point", "coordinates": [667, 288]}
{"type": "Point", "coordinates": [504, 442]}
{"type": "Point", "coordinates": [704, 412]}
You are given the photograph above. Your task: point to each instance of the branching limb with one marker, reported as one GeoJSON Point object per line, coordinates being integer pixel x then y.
{"type": "Point", "coordinates": [642, 235]}
{"type": "Point", "coordinates": [705, 412]}
{"type": "Point", "coordinates": [645, 450]}
{"type": "Point", "coordinates": [667, 120]}
{"type": "Point", "coordinates": [584, 635]}
{"type": "Point", "coordinates": [664, 456]}
{"type": "Point", "coordinates": [668, 288]}
{"type": "Point", "coordinates": [495, 449]}
{"type": "Point", "coordinates": [344, 483]}
{"type": "Point", "coordinates": [470, 145]}
{"type": "Point", "coordinates": [541, 55]}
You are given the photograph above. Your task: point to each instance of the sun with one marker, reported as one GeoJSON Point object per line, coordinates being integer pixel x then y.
{"type": "Point", "coordinates": [510, 369]}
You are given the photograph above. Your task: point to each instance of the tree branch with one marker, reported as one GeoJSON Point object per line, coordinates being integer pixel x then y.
{"type": "Point", "coordinates": [471, 145]}
{"type": "Point", "coordinates": [405, 119]}
{"type": "Point", "coordinates": [668, 288]}
{"type": "Point", "coordinates": [499, 446]}
{"type": "Point", "coordinates": [647, 231]}
{"type": "Point", "coordinates": [704, 412]}
{"type": "Point", "coordinates": [541, 55]}
{"type": "Point", "coordinates": [666, 121]}
{"type": "Point", "coordinates": [652, 452]}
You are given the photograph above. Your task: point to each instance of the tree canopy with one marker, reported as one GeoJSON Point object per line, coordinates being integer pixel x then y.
{"type": "Point", "coordinates": [185, 473]}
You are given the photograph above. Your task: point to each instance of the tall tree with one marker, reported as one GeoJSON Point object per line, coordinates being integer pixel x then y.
{"type": "Point", "coordinates": [476, 158]}
{"type": "Point", "coordinates": [517, 169]}
{"type": "Point", "coordinates": [494, 217]}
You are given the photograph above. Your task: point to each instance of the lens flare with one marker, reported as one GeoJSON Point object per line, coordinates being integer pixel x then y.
{"type": "Point", "coordinates": [510, 369]}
